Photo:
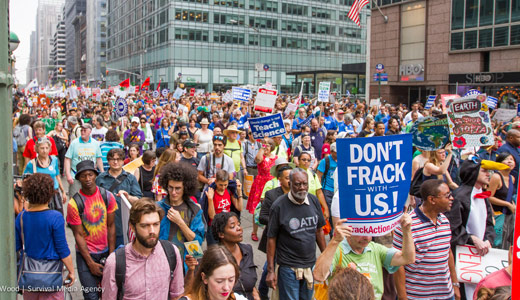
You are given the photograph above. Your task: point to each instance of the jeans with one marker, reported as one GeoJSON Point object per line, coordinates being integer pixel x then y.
{"type": "Point", "coordinates": [290, 288]}
{"type": "Point", "coordinates": [263, 289]}
{"type": "Point", "coordinates": [91, 284]}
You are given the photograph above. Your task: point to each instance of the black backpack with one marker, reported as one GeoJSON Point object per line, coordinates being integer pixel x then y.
{"type": "Point", "coordinates": [415, 186]}
{"type": "Point", "coordinates": [121, 265]}
{"type": "Point", "coordinates": [80, 203]}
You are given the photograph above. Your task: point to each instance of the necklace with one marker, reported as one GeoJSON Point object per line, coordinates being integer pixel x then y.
{"type": "Point", "coordinates": [44, 164]}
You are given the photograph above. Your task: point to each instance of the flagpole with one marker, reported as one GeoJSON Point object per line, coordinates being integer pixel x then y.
{"type": "Point", "coordinates": [367, 56]}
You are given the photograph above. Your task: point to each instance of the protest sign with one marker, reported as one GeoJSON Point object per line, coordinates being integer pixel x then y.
{"type": "Point", "coordinates": [163, 102]}
{"type": "Point", "coordinates": [213, 96]}
{"type": "Point", "coordinates": [374, 184]}
{"type": "Point", "coordinates": [324, 91]}
{"type": "Point", "coordinates": [492, 102]}
{"type": "Point", "coordinates": [471, 267]}
{"type": "Point", "coordinates": [447, 97]}
{"type": "Point", "coordinates": [248, 183]}
{"type": "Point", "coordinates": [265, 100]}
{"type": "Point", "coordinates": [121, 107]}
{"type": "Point", "coordinates": [375, 102]}
{"type": "Point", "coordinates": [227, 97]}
{"type": "Point", "coordinates": [241, 94]}
{"type": "Point", "coordinates": [430, 102]}
{"type": "Point", "coordinates": [504, 115]}
{"type": "Point", "coordinates": [166, 91]}
{"type": "Point", "coordinates": [515, 292]}
{"type": "Point", "coordinates": [155, 94]}
{"type": "Point", "coordinates": [291, 108]}
{"type": "Point", "coordinates": [430, 133]}
{"type": "Point", "coordinates": [268, 126]}
{"type": "Point", "coordinates": [518, 110]}
{"type": "Point", "coordinates": [469, 123]}
{"type": "Point", "coordinates": [125, 217]}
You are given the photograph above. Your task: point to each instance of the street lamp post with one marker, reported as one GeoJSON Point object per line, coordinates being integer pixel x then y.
{"type": "Point", "coordinates": [232, 21]}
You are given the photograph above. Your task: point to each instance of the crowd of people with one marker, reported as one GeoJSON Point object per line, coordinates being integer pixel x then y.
{"type": "Point", "coordinates": [197, 170]}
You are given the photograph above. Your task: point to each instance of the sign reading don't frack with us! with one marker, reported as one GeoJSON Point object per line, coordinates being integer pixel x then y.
{"type": "Point", "coordinates": [374, 184]}
{"type": "Point", "coordinates": [268, 126]}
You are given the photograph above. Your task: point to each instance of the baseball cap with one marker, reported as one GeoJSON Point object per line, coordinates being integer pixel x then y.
{"type": "Point", "coordinates": [189, 143]}
{"type": "Point", "coordinates": [86, 126]}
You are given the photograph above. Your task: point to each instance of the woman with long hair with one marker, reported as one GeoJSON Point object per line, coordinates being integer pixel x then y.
{"type": "Point", "coordinates": [214, 280]}
{"type": "Point", "coordinates": [502, 197]}
{"type": "Point", "coordinates": [437, 166]}
{"type": "Point", "coordinates": [133, 153]}
{"type": "Point", "coordinates": [162, 137]}
{"type": "Point", "coordinates": [61, 138]}
{"type": "Point", "coordinates": [169, 155]}
{"type": "Point", "coordinates": [368, 127]}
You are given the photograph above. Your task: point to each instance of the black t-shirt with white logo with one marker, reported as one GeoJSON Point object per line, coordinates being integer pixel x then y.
{"type": "Point", "coordinates": [294, 227]}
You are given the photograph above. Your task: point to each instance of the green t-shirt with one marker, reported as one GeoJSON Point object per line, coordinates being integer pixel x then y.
{"type": "Point", "coordinates": [314, 182]}
{"type": "Point", "coordinates": [233, 150]}
{"type": "Point", "coordinates": [370, 263]}
{"type": "Point", "coordinates": [271, 184]}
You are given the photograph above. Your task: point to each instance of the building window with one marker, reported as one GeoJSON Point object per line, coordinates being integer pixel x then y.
{"type": "Point", "coordinates": [470, 39]}
{"type": "Point", "coordinates": [321, 13]}
{"type": "Point", "coordinates": [193, 1]}
{"type": "Point", "coordinates": [268, 41]}
{"type": "Point", "coordinates": [294, 26]}
{"type": "Point", "coordinates": [321, 29]}
{"type": "Point", "coordinates": [263, 5]}
{"type": "Point", "coordinates": [322, 45]}
{"type": "Point", "coordinates": [471, 13]}
{"type": "Point", "coordinates": [350, 32]}
{"type": "Point", "coordinates": [346, 2]}
{"type": "Point", "coordinates": [162, 36]}
{"type": "Point", "coordinates": [228, 37]}
{"type": "Point", "coordinates": [191, 35]}
{"type": "Point", "coordinates": [515, 10]}
{"type": "Point", "coordinates": [515, 35]}
{"type": "Point", "coordinates": [226, 19]}
{"type": "Point", "coordinates": [294, 9]}
{"type": "Point", "coordinates": [456, 41]}
{"type": "Point", "coordinates": [350, 48]}
{"type": "Point", "coordinates": [486, 12]}
{"type": "Point", "coordinates": [501, 36]}
{"type": "Point", "coordinates": [502, 11]}
{"type": "Point", "coordinates": [230, 3]}
{"type": "Point", "coordinates": [191, 16]}
{"type": "Point", "coordinates": [263, 23]}
{"type": "Point", "coordinates": [485, 38]}
{"type": "Point", "coordinates": [457, 14]}
{"type": "Point", "coordinates": [293, 43]}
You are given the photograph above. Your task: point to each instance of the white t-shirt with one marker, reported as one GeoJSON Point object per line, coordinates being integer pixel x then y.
{"type": "Point", "coordinates": [99, 134]}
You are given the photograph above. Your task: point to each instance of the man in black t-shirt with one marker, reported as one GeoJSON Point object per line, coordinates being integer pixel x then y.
{"type": "Point", "coordinates": [295, 226]}
{"type": "Point", "coordinates": [189, 155]}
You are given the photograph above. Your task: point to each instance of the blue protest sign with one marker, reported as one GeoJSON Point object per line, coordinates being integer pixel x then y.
{"type": "Point", "coordinates": [305, 122]}
{"type": "Point", "coordinates": [472, 92]}
{"type": "Point", "coordinates": [241, 94]}
{"type": "Point", "coordinates": [518, 109]}
{"type": "Point", "coordinates": [163, 102]}
{"type": "Point", "coordinates": [165, 92]}
{"type": "Point", "coordinates": [374, 182]}
{"type": "Point", "coordinates": [430, 133]}
{"type": "Point", "coordinates": [268, 126]}
{"type": "Point", "coordinates": [155, 94]}
{"type": "Point", "coordinates": [430, 102]}
{"type": "Point", "coordinates": [121, 107]}
{"type": "Point", "coordinates": [178, 93]}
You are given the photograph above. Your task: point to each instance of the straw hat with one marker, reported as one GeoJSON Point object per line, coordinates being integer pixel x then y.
{"type": "Point", "coordinates": [232, 128]}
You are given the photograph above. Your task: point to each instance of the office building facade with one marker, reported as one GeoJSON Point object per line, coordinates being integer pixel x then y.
{"type": "Point", "coordinates": [96, 19]}
{"type": "Point", "coordinates": [58, 55]}
{"type": "Point", "coordinates": [216, 44]}
{"type": "Point", "coordinates": [73, 9]}
{"type": "Point", "coordinates": [447, 47]}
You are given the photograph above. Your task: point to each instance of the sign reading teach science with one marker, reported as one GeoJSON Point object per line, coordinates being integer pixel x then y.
{"type": "Point", "coordinates": [374, 184]}
{"type": "Point", "coordinates": [268, 126]}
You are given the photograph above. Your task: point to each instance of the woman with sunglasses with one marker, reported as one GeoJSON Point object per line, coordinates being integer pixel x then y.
{"type": "Point", "coordinates": [148, 133]}
{"type": "Point", "coordinates": [264, 160]}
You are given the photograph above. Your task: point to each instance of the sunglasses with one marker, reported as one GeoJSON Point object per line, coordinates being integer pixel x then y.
{"type": "Point", "coordinates": [218, 138]}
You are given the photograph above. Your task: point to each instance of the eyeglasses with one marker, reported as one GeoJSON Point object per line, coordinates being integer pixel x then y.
{"type": "Point", "coordinates": [177, 189]}
{"type": "Point", "coordinates": [447, 196]}
{"type": "Point", "coordinates": [115, 159]}
{"type": "Point", "coordinates": [143, 121]}
{"type": "Point", "coordinates": [305, 160]}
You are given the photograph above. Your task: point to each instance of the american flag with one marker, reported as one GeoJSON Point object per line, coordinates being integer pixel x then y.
{"type": "Point", "coordinates": [353, 13]}
{"type": "Point", "coordinates": [492, 102]}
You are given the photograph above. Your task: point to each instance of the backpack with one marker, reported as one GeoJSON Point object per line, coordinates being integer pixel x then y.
{"type": "Point", "coordinates": [121, 265]}
{"type": "Point", "coordinates": [415, 186]}
{"type": "Point", "coordinates": [80, 203]}
{"type": "Point", "coordinates": [20, 134]}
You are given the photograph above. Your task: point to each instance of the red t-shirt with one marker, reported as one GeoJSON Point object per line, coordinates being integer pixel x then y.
{"type": "Point", "coordinates": [222, 203]}
{"type": "Point", "coordinates": [30, 150]}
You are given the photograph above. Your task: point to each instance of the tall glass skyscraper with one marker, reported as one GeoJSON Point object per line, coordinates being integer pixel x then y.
{"type": "Point", "coordinates": [215, 44]}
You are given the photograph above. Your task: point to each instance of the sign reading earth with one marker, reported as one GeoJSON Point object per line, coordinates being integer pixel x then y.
{"type": "Point", "coordinates": [430, 133]}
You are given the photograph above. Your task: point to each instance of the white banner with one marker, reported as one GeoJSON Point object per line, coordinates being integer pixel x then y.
{"type": "Point", "coordinates": [471, 267]}
{"type": "Point", "coordinates": [504, 115]}
{"type": "Point", "coordinates": [324, 91]}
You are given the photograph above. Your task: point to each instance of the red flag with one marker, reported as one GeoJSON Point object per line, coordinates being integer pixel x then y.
{"type": "Point", "coordinates": [125, 83]}
{"type": "Point", "coordinates": [146, 84]}
{"type": "Point", "coordinates": [353, 13]}
{"type": "Point", "coordinates": [515, 291]}
{"type": "Point", "coordinates": [159, 86]}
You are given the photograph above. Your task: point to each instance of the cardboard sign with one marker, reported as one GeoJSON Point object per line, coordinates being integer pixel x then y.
{"type": "Point", "coordinates": [241, 94]}
{"type": "Point", "coordinates": [430, 133]}
{"type": "Point", "coordinates": [374, 182]}
{"type": "Point", "coordinates": [268, 126]}
{"type": "Point", "coordinates": [469, 122]}
{"type": "Point", "coordinates": [375, 102]}
{"type": "Point", "coordinates": [265, 100]}
{"type": "Point", "coordinates": [505, 115]}
{"type": "Point", "coordinates": [324, 91]}
{"type": "Point", "coordinates": [471, 267]}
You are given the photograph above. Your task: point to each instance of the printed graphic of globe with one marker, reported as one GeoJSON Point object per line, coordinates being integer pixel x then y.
{"type": "Point", "coordinates": [430, 133]}
{"type": "Point", "coordinates": [294, 223]}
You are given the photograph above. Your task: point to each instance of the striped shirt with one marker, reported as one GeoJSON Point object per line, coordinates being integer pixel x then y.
{"type": "Point", "coordinates": [429, 277]}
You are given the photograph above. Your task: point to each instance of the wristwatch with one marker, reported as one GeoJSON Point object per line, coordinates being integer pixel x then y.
{"type": "Point", "coordinates": [456, 284]}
